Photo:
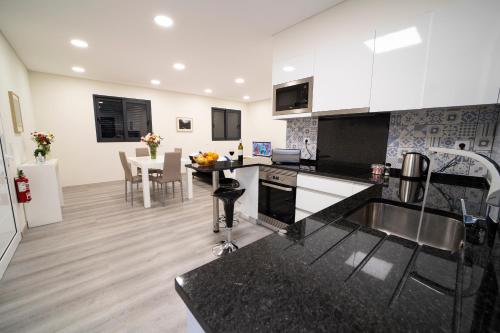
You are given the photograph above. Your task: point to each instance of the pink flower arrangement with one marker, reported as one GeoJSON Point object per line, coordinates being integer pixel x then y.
{"type": "Point", "coordinates": [43, 141]}
{"type": "Point", "coordinates": [42, 138]}
{"type": "Point", "coordinates": [152, 140]}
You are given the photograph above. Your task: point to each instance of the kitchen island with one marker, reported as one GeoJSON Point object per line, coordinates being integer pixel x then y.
{"type": "Point", "coordinates": [247, 175]}
{"type": "Point", "coordinates": [329, 274]}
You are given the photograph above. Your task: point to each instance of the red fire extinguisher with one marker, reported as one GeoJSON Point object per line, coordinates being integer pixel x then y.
{"type": "Point", "coordinates": [22, 188]}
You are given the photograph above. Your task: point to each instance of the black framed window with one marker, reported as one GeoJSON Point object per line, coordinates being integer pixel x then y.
{"type": "Point", "coordinates": [226, 124]}
{"type": "Point", "coordinates": [119, 119]}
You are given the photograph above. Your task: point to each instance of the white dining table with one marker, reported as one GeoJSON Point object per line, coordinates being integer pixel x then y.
{"type": "Point", "coordinates": [146, 163]}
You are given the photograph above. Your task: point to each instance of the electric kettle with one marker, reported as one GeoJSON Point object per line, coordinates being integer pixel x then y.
{"type": "Point", "coordinates": [414, 166]}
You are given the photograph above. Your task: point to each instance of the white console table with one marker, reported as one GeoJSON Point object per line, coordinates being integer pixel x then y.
{"type": "Point", "coordinates": [46, 192]}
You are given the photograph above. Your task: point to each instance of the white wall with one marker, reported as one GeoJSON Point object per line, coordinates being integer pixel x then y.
{"type": "Point", "coordinates": [18, 147]}
{"type": "Point", "coordinates": [260, 126]}
{"type": "Point", "coordinates": [64, 106]}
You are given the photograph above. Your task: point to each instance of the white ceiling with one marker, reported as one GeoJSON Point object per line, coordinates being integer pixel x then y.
{"type": "Point", "coordinates": [218, 40]}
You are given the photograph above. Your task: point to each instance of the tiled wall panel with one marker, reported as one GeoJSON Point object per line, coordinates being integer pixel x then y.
{"type": "Point", "coordinates": [417, 130]}
{"type": "Point", "coordinates": [299, 129]}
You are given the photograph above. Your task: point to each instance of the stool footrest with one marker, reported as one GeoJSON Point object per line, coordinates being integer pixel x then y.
{"type": "Point", "coordinates": [224, 247]}
{"type": "Point", "coordinates": [222, 221]}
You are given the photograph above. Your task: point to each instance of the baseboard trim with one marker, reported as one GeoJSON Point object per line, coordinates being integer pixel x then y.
{"type": "Point", "coordinates": [25, 229]}
{"type": "Point", "coordinates": [248, 218]}
{"type": "Point", "coordinates": [9, 253]}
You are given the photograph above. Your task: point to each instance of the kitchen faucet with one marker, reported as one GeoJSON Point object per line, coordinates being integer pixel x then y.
{"type": "Point", "coordinates": [493, 198]}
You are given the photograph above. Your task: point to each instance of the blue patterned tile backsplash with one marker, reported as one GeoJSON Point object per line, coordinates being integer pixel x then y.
{"type": "Point", "coordinates": [417, 130]}
{"type": "Point", "coordinates": [299, 129]}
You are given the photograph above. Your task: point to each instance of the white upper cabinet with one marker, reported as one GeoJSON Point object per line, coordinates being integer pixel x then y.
{"type": "Point", "coordinates": [464, 54]}
{"type": "Point", "coordinates": [424, 54]}
{"type": "Point", "coordinates": [343, 71]}
{"type": "Point", "coordinates": [295, 68]}
{"type": "Point", "coordinates": [400, 64]}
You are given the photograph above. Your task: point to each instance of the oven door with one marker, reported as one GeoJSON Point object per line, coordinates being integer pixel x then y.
{"type": "Point", "coordinates": [277, 201]}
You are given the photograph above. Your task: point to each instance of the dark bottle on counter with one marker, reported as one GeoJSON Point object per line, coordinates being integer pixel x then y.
{"type": "Point", "coordinates": [240, 152]}
{"type": "Point", "coordinates": [387, 171]}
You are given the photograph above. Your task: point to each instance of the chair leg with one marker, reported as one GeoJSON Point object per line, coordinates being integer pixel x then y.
{"type": "Point", "coordinates": [132, 193]}
{"type": "Point", "coordinates": [166, 190]}
{"type": "Point", "coordinates": [182, 191]}
{"type": "Point", "coordinates": [126, 190]}
{"type": "Point", "coordinates": [173, 190]}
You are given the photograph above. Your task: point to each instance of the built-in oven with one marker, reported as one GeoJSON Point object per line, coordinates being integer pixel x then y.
{"type": "Point", "coordinates": [293, 97]}
{"type": "Point", "coordinates": [277, 191]}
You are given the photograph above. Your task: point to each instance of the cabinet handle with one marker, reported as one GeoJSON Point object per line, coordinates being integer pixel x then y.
{"type": "Point", "coordinates": [287, 189]}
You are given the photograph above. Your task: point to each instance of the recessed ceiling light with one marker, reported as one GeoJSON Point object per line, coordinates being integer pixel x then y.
{"type": "Point", "coordinates": [246, 97]}
{"type": "Point", "coordinates": [155, 82]}
{"type": "Point", "coordinates": [239, 80]}
{"type": "Point", "coordinates": [78, 69]}
{"type": "Point", "coordinates": [208, 91]}
{"type": "Point", "coordinates": [179, 66]}
{"type": "Point", "coordinates": [288, 68]}
{"type": "Point", "coordinates": [79, 43]}
{"type": "Point", "coordinates": [164, 21]}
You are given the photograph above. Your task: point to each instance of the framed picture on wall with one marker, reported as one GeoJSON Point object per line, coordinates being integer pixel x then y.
{"type": "Point", "coordinates": [184, 124]}
{"type": "Point", "coordinates": [15, 110]}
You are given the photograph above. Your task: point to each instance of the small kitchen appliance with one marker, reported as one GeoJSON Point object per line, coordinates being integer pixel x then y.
{"type": "Point", "coordinates": [415, 166]}
{"type": "Point", "coordinates": [286, 156]}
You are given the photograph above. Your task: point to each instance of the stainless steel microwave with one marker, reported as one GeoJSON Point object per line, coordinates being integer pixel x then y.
{"type": "Point", "coordinates": [293, 97]}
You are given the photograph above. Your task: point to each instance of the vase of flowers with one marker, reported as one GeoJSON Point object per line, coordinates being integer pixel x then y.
{"type": "Point", "coordinates": [43, 141]}
{"type": "Point", "coordinates": [153, 141]}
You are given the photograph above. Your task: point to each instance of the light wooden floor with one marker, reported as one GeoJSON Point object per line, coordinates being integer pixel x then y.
{"type": "Point", "coordinates": [110, 267]}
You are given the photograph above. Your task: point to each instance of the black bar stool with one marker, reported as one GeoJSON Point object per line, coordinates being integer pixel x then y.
{"type": "Point", "coordinates": [229, 183]}
{"type": "Point", "coordinates": [228, 197]}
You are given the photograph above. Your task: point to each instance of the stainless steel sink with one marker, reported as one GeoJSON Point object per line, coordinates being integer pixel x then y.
{"type": "Point", "coordinates": [437, 231]}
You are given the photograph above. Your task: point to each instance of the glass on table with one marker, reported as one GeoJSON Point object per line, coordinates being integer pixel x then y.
{"type": "Point", "coordinates": [231, 152]}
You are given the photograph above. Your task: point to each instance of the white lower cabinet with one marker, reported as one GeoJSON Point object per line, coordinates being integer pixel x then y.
{"type": "Point", "coordinates": [301, 214]}
{"type": "Point", "coordinates": [46, 204]}
{"type": "Point", "coordinates": [315, 193]}
{"type": "Point", "coordinates": [314, 201]}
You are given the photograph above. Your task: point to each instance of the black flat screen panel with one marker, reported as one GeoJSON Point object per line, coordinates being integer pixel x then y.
{"type": "Point", "coordinates": [360, 139]}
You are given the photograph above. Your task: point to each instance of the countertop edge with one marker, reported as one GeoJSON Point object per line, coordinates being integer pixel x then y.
{"type": "Point", "coordinates": [188, 303]}
{"type": "Point", "coordinates": [364, 179]}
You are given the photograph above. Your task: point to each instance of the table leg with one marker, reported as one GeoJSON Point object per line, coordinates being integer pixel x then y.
{"type": "Point", "coordinates": [189, 173]}
{"type": "Point", "coordinates": [145, 188]}
{"type": "Point", "coordinates": [215, 208]}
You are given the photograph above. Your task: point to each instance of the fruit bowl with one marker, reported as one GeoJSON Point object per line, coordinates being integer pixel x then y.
{"type": "Point", "coordinates": [205, 159]}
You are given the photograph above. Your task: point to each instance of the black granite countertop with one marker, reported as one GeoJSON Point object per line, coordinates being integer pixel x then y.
{"type": "Point", "coordinates": [229, 165]}
{"type": "Point", "coordinates": [346, 172]}
{"type": "Point", "coordinates": [328, 274]}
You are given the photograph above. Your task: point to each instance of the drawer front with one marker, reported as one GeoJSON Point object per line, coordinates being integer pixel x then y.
{"type": "Point", "coordinates": [313, 201]}
{"type": "Point", "coordinates": [333, 186]}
